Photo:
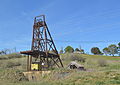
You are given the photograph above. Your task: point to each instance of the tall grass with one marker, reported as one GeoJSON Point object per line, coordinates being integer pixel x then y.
{"type": "Point", "coordinates": [10, 56]}
{"type": "Point", "coordinates": [100, 70]}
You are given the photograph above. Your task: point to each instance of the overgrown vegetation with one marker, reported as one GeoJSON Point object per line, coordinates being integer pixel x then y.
{"type": "Point", "coordinates": [102, 62]}
{"type": "Point", "coordinates": [10, 56]}
{"type": "Point", "coordinates": [100, 70]}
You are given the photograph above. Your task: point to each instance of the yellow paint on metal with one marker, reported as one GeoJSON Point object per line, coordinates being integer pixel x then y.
{"type": "Point", "coordinates": [34, 66]}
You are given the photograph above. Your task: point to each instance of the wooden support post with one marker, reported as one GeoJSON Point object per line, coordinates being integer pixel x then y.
{"type": "Point", "coordinates": [28, 63]}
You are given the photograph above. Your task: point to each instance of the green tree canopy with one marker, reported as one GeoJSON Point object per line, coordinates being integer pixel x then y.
{"type": "Point", "coordinates": [69, 49]}
{"type": "Point", "coordinates": [82, 51]}
{"type": "Point", "coordinates": [61, 51]}
{"type": "Point", "coordinates": [119, 44]}
{"type": "Point", "coordinates": [106, 51]}
{"type": "Point", "coordinates": [118, 48]}
{"type": "Point", "coordinates": [113, 49]}
{"type": "Point", "coordinates": [96, 51]}
{"type": "Point", "coordinates": [77, 49]}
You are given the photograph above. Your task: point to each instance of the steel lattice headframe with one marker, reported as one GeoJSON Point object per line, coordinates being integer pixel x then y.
{"type": "Point", "coordinates": [43, 49]}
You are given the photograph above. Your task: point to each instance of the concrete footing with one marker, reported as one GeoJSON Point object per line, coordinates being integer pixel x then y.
{"type": "Point", "coordinates": [35, 75]}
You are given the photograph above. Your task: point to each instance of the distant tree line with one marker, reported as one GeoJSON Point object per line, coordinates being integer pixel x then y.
{"type": "Point", "coordinates": [70, 49]}
{"type": "Point", "coordinates": [110, 50]}
{"type": "Point", "coordinates": [7, 51]}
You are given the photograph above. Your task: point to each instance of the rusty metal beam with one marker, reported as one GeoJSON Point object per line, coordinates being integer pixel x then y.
{"type": "Point", "coordinates": [42, 45]}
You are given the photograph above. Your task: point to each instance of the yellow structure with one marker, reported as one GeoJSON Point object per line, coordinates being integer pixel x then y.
{"type": "Point", "coordinates": [34, 66]}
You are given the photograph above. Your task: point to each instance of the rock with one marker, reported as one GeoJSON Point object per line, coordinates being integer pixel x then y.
{"type": "Point", "coordinates": [75, 65]}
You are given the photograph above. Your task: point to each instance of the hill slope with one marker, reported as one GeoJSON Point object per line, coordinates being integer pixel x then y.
{"type": "Point", "coordinates": [100, 70]}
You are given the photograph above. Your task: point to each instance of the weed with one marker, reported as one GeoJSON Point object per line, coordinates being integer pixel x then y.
{"type": "Point", "coordinates": [102, 62]}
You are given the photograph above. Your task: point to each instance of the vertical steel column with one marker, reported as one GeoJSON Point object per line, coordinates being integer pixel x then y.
{"type": "Point", "coordinates": [54, 45]}
{"type": "Point", "coordinates": [46, 48]}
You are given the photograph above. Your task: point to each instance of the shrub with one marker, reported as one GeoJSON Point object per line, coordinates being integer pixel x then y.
{"type": "Point", "coordinates": [10, 56]}
{"type": "Point", "coordinates": [12, 64]}
{"type": "Point", "coordinates": [14, 55]}
{"type": "Point", "coordinates": [3, 57]}
{"type": "Point", "coordinates": [13, 75]}
{"type": "Point", "coordinates": [61, 51]}
{"type": "Point", "coordinates": [102, 62]}
{"type": "Point", "coordinates": [77, 58]}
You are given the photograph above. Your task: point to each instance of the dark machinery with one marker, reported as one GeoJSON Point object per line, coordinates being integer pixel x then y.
{"type": "Point", "coordinates": [43, 54]}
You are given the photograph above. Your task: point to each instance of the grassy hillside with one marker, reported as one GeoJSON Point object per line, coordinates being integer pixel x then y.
{"type": "Point", "coordinates": [100, 70]}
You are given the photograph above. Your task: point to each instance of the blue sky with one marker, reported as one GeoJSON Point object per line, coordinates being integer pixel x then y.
{"type": "Point", "coordinates": [71, 22]}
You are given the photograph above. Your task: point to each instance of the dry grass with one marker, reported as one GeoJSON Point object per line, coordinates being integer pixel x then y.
{"type": "Point", "coordinates": [101, 70]}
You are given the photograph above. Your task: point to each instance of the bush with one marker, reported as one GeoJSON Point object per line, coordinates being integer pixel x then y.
{"type": "Point", "coordinates": [14, 55]}
{"type": "Point", "coordinates": [10, 56]}
{"type": "Point", "coordinates": [102, 62]}
{"type": "Point", "coordinates": [3, 57]}
{"type": "Point", "coordinates": [12, 64]}
{"type": "Point", "coordinates": [77, 58]}
{"type": "Point", "coordinates": [13, 75]}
